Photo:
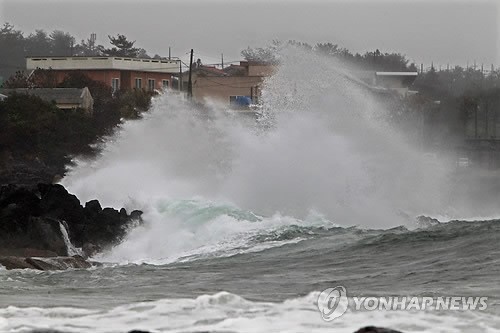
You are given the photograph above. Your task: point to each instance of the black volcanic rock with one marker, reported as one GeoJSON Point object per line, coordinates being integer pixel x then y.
{"type": "Point", "coordinates": [373, 329]}
{"type": "Point", "coordinates": [44, 264]}
{"type": "Point", "coordinates": [15, 263]}
{"type": "Point", "coordinates": [44, 233]}
{"type": "Point", "coordinates": [92, 209]}
{"type": "Point", "coordinates": [32, 219]}
{"type": "Point", "coordinates": [18, 202]}
{"type": "Point", "coordinates": [55, 201]}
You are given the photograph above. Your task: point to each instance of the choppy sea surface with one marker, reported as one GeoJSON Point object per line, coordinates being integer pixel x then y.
{"type": "Point", "coordinates": [247, 219]}
{"type": "Point", "coordinates": [265, 278]}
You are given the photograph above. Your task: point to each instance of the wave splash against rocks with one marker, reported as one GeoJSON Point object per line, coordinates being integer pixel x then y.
{"type": "Point", "coordinates": [36, 222]}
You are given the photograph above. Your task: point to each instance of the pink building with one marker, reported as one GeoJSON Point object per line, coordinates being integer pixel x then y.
{"type": "Point", "coordinates": [116, 72]}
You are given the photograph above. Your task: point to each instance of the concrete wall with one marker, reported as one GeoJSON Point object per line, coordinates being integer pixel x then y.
{"type": "Point", "coordinates": [221, 88]}
{"type": "Point", "coordinates": [103, 63]}
{"type": "Point", "coordinates": [260, 70]}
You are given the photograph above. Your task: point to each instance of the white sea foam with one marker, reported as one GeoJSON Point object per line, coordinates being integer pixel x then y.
{"type": "Point", "coordinates": [226, 312]}
{"type": "Point", "coordinates": [324, 146]}
{"type": "Point", "coordinates": [187, 230]}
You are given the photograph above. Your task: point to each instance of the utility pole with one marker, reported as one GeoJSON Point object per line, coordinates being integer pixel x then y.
{"type": "Point", "coordinates": [222, 59]}
{"type": "Point", "coordinates": [169, 54]}
{"type": "Point", "coordinates": [190, 83]}
{"type": "Point", "coordinates": [180, 75]}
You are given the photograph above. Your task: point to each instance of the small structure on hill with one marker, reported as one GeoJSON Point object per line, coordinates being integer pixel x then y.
{"type": "Point", "coordinates": [64, 98]}
{"type": "Point", "coordinates": [398, 82]}
{"type": "Point", "coordinates": [235, 85]}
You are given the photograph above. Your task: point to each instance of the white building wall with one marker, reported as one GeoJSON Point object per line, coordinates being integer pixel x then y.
{"type": "Point", "coordinates": [118, 63]}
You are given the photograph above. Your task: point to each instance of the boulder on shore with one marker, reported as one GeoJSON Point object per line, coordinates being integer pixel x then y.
{"type": "Point", "coordinates": [32, 221]}
{"type": "Point", "coordinates": [373, 329]}
{"type": "Point", "coordinates": [44, 264]}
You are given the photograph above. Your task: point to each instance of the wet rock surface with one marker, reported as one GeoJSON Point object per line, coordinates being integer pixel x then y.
{"type": "Point", "coordinates": [44, 264]}
{"type": "Point", "coordinates": [32, 222]}
{"type": "Point", "coordinates": [373, 329]}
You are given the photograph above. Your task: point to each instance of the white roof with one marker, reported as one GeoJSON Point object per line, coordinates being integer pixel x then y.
{"type": "Point", "coordinates": [117, 63]}
{"type": "Point", "coordinates": [396, 73]}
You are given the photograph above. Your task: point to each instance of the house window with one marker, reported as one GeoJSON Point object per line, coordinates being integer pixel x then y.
{"type": "Point", "coordinates": [151, 84]}
{"type": "Point", "coordinates": [115, 84]}
{"type": "Point", "coordinates": [138, 83]}
{"type": "Point", "coordinates": [164, 84]}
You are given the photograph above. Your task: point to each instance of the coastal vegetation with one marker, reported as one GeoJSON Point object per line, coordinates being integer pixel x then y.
{"type": "Point", "coordinates": [55, 43]}
{"type": "Point", "coordinates": [37, 140]}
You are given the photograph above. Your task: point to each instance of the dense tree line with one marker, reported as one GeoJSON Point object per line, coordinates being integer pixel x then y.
{"type": "Point", "coordinates": [372, 60]}
{"type": "Point", "coordinates": [456, 104]}
{"type": "Point", "coordinates": [456, 82]}
{"type": "Point", "coordinates": [16, 45]}
{"type": "Point", "coordinates": [37, 138]}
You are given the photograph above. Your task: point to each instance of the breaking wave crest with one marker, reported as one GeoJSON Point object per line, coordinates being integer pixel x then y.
{"type": "Point", "coordinates": [209, 180]}
{"type": "Point", "coordinates": [226, 312]}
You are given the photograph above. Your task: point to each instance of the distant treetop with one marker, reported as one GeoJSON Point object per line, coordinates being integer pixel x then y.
{"type": "Point", "coordinates": [122, 47]}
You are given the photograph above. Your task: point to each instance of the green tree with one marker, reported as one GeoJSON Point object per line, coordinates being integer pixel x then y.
{"type": "Point", "coordinates": [38, 44]}
{"type": "Point", "coordinates": [12, 44]}
{"type": "Point", "coordinates": [39, 78]}
{"type": "Point", "coordinates": [266, 54]}
{"type": "Point", "coordinates": [18, 80]}
{"type": "Point", "coordinates": [122, 47]}
{"type": "Point", "coordinates": [61, 43]}
{"type": "Point", "coordinates": [88, 48]}
{"type": "Point", "coordinates": [328, 49]}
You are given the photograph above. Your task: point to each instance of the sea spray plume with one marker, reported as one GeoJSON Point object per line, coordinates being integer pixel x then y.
{"type": "Point", "coordinates": [331, 149]}
{"type": "Point", "coordinates": [328, 150]}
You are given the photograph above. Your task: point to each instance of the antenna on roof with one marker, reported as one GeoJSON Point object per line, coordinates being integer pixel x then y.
{"type": "Point", "coordinates": [93, 37]}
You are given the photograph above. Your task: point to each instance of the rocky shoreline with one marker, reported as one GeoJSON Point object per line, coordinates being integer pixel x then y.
{"type": "Point", "coordinates": [45, 227]}
{"type": "Point", "coordinates": [45, 263]}
{"type": "Point", "coordinates": [42, 227]}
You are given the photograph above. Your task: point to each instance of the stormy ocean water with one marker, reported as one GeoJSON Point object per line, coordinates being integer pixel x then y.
{"type": "Point", "coordinates": [248, 220]}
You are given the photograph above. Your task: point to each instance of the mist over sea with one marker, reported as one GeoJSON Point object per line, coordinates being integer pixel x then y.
{"type": "Point", "coordinates": [247, 220]}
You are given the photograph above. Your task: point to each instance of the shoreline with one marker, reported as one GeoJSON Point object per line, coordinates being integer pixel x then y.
{"type": "Point", "coordinates": [49, 222]}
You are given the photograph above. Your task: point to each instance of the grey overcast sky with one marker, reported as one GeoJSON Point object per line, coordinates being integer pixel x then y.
{"type": "Point", "coordinates": [439, 31]}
